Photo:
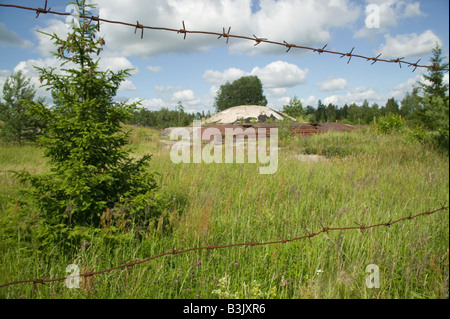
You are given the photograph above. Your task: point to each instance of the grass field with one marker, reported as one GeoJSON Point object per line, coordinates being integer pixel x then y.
{"type": "Point", "coordinates": [367, 179]}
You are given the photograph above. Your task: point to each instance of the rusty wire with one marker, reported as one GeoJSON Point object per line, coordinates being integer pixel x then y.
{"type": "Point", "coordinates": [227, 35]}
{"type": "Point", "coordinates": [211, 247]}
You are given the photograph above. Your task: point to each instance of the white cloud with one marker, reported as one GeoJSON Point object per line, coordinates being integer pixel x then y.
{"type": "Point", "coordinates": [390, 13]}
{"type": "Point", "coordinates": [412, 10]}
{"type": "Point", "coordinates": [151, 104]}
{"type": "Point", "coordinates": [186, 97]}
{"type": "Point", "coordinates": [311, 100]}
{"type": "Point", "coordinates": [400, 90]}
{"type": "Point", "coordinates": [115, 64]}
{"type": "Point", "coordinates": [284, 100]}
{"type": "Point", "coordinates": [154, 69]}
{"type": "Point", "coordinates": [276, 92]}
{"type": "Point", "coordinates": [45, 43]}
{"type": "Point", "coordinates": [9, 37]}
{"type": "Point", "coordinates": [278, 74]}
{"type": "Point", "coordinates": [333, 84]}
{"type": "Point", "coordinates": [303, 21]}
{"type": "Point", "coordinates": [127, 85]}
{"type": "Point", "coordinates": [357, 95]}
{"type": "Point", "coordinates": [409, 44]}
{"type": "Point", "coordinates": [28, 70]}
{"type": "Point", "coordinates": [217, 77]}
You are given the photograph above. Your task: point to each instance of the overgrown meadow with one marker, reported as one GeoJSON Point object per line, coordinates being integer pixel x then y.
{"type": "Point", "coordinates": [368, 178]}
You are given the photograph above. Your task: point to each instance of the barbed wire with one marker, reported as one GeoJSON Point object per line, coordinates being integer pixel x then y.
{"type": "Point", "coordinates": [227, 35]}
{"type": "Point", "coordinates": [212, 247]}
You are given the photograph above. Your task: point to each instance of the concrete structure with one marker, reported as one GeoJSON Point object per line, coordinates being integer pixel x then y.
{"type": "Point", "coordinates": [247, 114]}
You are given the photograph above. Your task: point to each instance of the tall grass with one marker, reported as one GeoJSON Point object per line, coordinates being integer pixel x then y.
{"type": "Point", "coordinates": [367, 179]}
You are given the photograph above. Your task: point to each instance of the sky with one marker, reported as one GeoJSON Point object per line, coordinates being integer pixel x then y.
{"type": "Point", "coordinates": [168, 69]}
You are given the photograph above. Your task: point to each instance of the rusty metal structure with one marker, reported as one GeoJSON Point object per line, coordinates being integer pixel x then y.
{"type": "Point", "coordinates": [296, 129]}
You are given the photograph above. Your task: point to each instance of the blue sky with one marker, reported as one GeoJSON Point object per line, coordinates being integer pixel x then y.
{"type": "Point", "coordinates": [169, 69]}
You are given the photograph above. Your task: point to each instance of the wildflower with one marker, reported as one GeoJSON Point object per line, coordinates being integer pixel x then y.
{"type": "Point", "coordinates": [319, 271]}
{"type": "Point", "coordinates": [21, 296]}
{"type": "Point", "coordinates": [215, 278]}
{"type": "Point", "coordinates": [236, 264]}
{"type": "Point", "coordinates": [176, 281]}
{"type": "Point", "coordinates": [198, 263]}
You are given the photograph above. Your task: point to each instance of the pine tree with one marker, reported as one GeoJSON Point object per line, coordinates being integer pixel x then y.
{"type": "Point", "coordinates": [92, 171]}
{"type": "Point", "coordinates": [434, 85]}
{"type": "Point", "coordinates": [434, 112]}
{"type": "Point", "coordinates": [17, 125]}
{"type": "Point", "coordinates": [294, 108]}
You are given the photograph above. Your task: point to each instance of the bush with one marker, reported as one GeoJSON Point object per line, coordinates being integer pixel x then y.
{"type": "Point", "coordinates": [390, 123]}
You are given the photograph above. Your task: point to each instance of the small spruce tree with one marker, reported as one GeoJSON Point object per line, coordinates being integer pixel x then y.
{"type": "Point", "coordinates": [91, 171]}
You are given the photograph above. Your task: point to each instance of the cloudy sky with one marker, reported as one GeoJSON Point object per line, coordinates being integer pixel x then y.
{"type": "Point", "coordinates": [169, 69]}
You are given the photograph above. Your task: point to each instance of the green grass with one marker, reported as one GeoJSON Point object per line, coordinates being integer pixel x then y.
{"type": "Point", "coordinates": [368, 179]}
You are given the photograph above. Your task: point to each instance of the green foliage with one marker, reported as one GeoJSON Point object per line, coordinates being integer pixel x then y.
{"type": "Point", "coordinates": [392, 107]}
{"type": "Point", "coordinates": [435, 85]}
{"type": "Point", "coordinates": [163, 118]}
{"type": "Point", "coordinates": [380, 178]}
{"type": "Point", "coordinates": [294, 108]}
{"type": "Point", "coordinates": [434, 108]}
{"type": "Point", "coordinates": [18, 125]}
{"type": "Point", "coordinates": [91, 171]}
{"type": "Point", "coordinates": [390, 123]}
{"type": "Point", "coordinates": [284, 129]}
{"type": "Point", "coordinates": [246, 90]}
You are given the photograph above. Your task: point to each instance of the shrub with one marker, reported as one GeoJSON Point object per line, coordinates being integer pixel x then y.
{"type": "Point", "coordinates": [390, 123]}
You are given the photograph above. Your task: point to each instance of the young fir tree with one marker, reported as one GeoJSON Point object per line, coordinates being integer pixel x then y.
{"type": "Point", "coordinates": [92, 171]}
{"type": "Point", "coordinates": [434, 112]}
{"type": "Point", "coordinates": [17, 125]}
{"type": "Point", "coordinates": [434, 85]}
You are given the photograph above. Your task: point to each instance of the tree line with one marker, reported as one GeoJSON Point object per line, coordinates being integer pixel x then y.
{"type": "Point", "coordinates": [427, 106]}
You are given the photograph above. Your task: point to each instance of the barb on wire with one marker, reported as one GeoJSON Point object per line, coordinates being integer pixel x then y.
{"type": "Point", "coordinates": [258, 40]}
{"type": "Point", "coordinates": [227, 35]}
{"type": "Point", "coordinates": [399, 60]}
{"type": "Point", "coordinates": [210, 247]}
{"type": "Point", "coordinates": [350, 55]}
{"type": "Point", "coordinates": [183, 31]}
{"type": "Point", "coordinates": [415, 65]}
{"type": "Point", "coordinates": [42, 10]}
{"type": "Point", "coordinates": [96, 18]}
{"type": "Point", "coordinates": [375, 59]}
{"type": "Point", "coordinates": [288, 45]}
{"type": "Point", "coordinates": [321, 50]}
{"type": "Point", "coordinates": [139, 26]}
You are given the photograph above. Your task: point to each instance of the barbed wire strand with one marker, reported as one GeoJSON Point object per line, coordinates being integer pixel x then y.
{"type": "Point", "coordinates": [212, 247]}
{"type": "Point", "coordinates": [227, 35]}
